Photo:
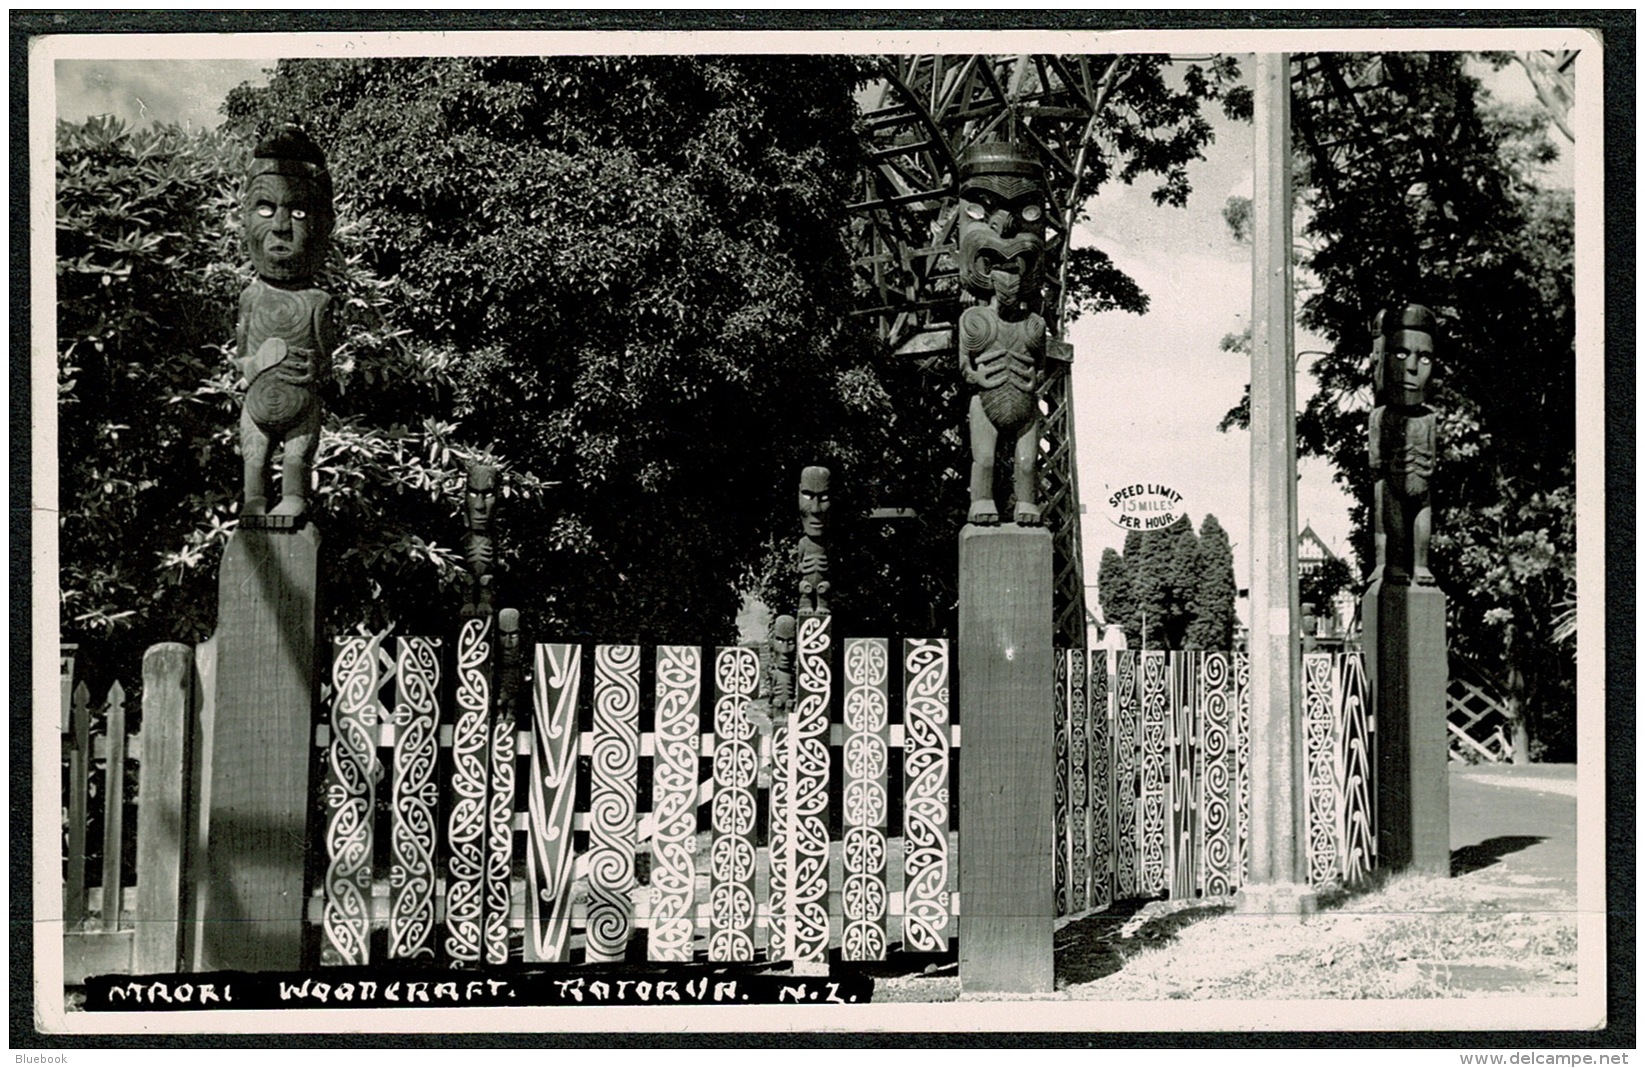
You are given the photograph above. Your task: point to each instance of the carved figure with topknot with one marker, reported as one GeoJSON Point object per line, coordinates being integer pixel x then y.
{"type": "Point", "coordinates": [1404, 443]}
{"type": "Point", "coordinates": [1002, 342]}
{"type": "Point", "coordinates": [812, 554]}
{"type": "Point", "coordinates": [479, 504]}
{"type": "Point", "coordinates": [284, 331]}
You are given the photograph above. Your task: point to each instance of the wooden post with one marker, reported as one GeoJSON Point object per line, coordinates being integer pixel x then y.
{"type": "Point", "coordinates": [1405, 659]}
{"type": "Point", "coordinates": [74, 889]}
{"type": "Point", "coordinates": [1007, 893]}
{"type": "Point", "coordinates": [114, 806]}
{"type": "Point", "coordinates": [1275, 885]}
{"type": "Point", "coordinates": [261, 751]}
{"type": "Point", "coordinates": [168, 678]}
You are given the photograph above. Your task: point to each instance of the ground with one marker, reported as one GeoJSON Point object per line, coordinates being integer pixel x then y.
{"type": "Point", "coordinates": [1503, 925]}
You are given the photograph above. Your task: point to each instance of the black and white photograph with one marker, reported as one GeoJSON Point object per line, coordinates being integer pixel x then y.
{"type": "Point", "coordinates": [1080, 530]}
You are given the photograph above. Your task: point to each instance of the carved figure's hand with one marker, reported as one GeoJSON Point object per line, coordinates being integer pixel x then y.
{"type": "Point", "coordinates": [297, 369]}
{"type": "Point", "coordinates": [993, 368]}
{"type": "Point", "coordinates": [1415, 485]}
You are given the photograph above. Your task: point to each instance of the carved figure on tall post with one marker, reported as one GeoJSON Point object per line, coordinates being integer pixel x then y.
{"type": "Point", "coordinates": [780, 686]}
{"type": "Point", "coordinates": [480, 504]}
{"type": "Point", "coordinates": [1002, 342]}
{"type": "Point", "coordinates": [1404, 443]}
{"type": "Point", "coordinates": [284, 332]}
{"type": "Point", "coordinates": [812, 555]}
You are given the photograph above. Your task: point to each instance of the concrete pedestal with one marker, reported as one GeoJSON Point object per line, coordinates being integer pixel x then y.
{"type": "Point", "coordinates": [1406, 664]}
{"type": "Point", "coordinates": [261, 751]}
{"type": "Point", "coordinates": [1005, 664]}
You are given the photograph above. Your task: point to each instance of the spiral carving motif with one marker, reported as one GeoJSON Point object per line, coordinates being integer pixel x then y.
{"type": "Point", "coordinates": [806, 839]}
{"type": "Point", "coordinates": [866, 806]}
{"type": "Point", "coordinates": [465, 869]}
{"type": "Point", "coordinates": [731, 857]}
{"type": "Point", "coordinates": [1216, 809]}
{"type": "Point", "coordinates": [500, 838]}
{"type": "Point", "coordinates": [611, 802]}
{"type": "Point", "coordinates": [1151, 861]}
{"type": "Point", "coordinates": [351, 761]}
{"type": "Point", "coordinates": [550, 796]}
{"type": "Point", "coordinates": [777, 945]}
{"type": "Point", "coordinates": [416, 749]}
{"type": "Point", "coordinates": [1125, 773]}
{"type": "Point", "coordinates": [674, 803]}
{"type": "Point", "coordinates": [925, 800]}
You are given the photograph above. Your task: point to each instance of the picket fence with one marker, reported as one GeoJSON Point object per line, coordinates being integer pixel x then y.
{"type": "Point", "coordinates": [101, 929]}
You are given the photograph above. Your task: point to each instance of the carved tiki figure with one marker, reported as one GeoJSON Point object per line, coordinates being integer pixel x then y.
{"type": "Point", "coordinates": [479, 504]}
{"type": "Point", "coordinates": [780, 686]}
{"type": "Point", "coordinates": [1404, 443]}
{"type": "Point", "coordinates": [812, 556]}
{"type": "Point", "coordinates": [284, 332]}
{"type": "Point", "coordinates": [1002, 342]}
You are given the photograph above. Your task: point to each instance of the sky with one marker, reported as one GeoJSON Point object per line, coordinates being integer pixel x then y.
{"type": "Point", "coordinates": [1149, 390]}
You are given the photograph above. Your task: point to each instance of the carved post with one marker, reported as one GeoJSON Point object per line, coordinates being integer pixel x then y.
{"type": "Point", "coordinates": [1005, 660]}
{"type": "Point", "coordinates": [252, 889]}
{"type": "Point", "coordinates": [1403, 611]}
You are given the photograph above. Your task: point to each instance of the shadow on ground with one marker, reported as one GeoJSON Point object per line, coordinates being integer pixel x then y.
{"type": "Point", "coordinates": [1096, 946]}
{"type": "Point", "coordinates": [1486, 853]}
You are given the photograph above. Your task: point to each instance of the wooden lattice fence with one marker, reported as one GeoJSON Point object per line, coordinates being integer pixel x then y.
{"type": "Point", "coordinates": [1152, 794]}
{"type": "Point", "coordinates": [520, 840]}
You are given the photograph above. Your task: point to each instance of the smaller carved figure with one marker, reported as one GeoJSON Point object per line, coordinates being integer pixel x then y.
{"type": "Point", "coordinates": [284, 330]}
{"type": "Point", "coordinates": [1002, 343]}
{"type": "Point", "coordinates": [780, 682]}
{"type": "Point", "coordinates": [510, 669]}
{"type": "Point", "coordinates": [812, 555]}
{"type": "Point", "coordinates": [480, 502]}
{"type": "Point", "coordinates": [1404, 443]}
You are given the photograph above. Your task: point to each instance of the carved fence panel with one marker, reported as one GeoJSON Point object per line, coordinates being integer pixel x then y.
{"type": "Point", "coordinates": [1168, 763]}
{"type": "Point", "coordinates": [452, 889]}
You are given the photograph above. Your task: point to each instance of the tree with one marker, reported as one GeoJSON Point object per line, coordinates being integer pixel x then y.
{"type": "Point", "coordinates": [1212, 626]}
{"type": "Point", "coordinates": [1320, 586]}
{"type": "Point", "coordinates": [1153, 590]}
{"type": "Point", "coordinates": [1118, 599]}
{"type": "Point", "coordinates": [149, 272]}
{"type": "Point", "coordinates": [1421, 188]}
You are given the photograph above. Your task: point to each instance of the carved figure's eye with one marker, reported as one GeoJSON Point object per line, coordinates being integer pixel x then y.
{"type": "Point", "coordinates": [975, 211]}
{"type": "Point", "coordinates": [266, 210]}
{"type": "Point", "coordinates": [299, 213]}
{"type": "Point", "coordinates": [1031, 213]}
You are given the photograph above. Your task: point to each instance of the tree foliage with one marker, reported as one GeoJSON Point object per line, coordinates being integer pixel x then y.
{"type": "Point", "coordinates": [1212, 625]}
{"type": "Point", "coordinates": [149, 271]}
{"type": "Point", "coordinates": [1423, 188]}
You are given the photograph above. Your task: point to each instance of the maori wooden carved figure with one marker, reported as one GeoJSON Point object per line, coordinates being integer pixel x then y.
{"type": "Point", "coordinates": [479, 502]}
{"type": "Point", "coordinates": [1404, 443]}
{"type": "Point", "coordinates": [511, 667]}
{"type": "Point", "coordinates": [1002, 342]}
{"type": "Point", "coordinates": [812, 555]}
{"type": "Point", "coordinates": [284, 332]}
{"type": "Point", "coordinates": [781, 683]}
